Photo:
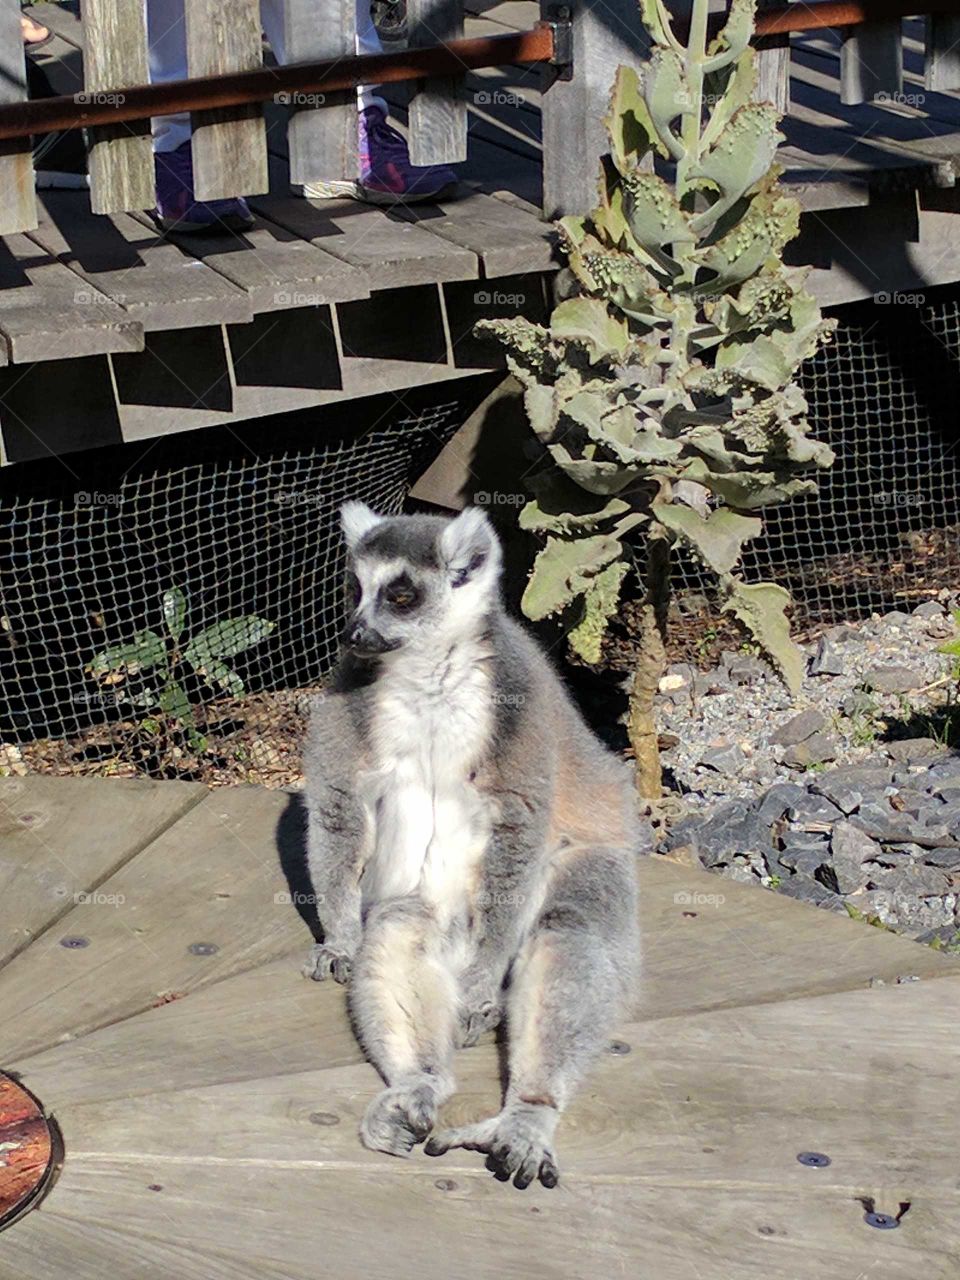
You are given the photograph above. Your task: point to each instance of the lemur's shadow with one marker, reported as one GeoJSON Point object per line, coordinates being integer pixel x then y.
{"type": "Point", "coordinates": [292, 849]}
{"type": "Point", "coordinates": [291, 835]}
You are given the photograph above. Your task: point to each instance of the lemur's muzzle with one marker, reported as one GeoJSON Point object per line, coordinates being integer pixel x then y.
{"type": "Point", "coordinates": [366, 642]}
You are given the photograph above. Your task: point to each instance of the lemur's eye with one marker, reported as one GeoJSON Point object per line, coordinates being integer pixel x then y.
{"type": "Point", "coordinates": [402, 595]}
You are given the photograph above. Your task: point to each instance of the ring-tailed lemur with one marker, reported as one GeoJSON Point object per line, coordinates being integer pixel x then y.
{"type": "Point", "coordinates": [471, 845]}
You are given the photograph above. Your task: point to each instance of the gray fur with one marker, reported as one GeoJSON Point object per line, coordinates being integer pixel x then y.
{"type": "Point", "coordinates": [471, 845]}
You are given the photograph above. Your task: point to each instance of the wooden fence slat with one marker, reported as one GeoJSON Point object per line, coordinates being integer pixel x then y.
{"type": "Point", "coordinates": [438, 113]}
{"type": "Point", "coordinates": [120, 158]}
{"type": "Point", "coordinates": [942, 52]}
{"type": "Point", "coordinates": [871, 62]}
{"type": "Point", "coordinates": [18, 201]}
{"type": "Point", "coordinates": [322, 136]}
{"type": "Point", "coordinates": [772, 64]}
{"type": "Point", "coordinates": [229, 144]}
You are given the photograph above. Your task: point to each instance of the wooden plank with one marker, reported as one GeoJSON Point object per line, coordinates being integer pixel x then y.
{"type": "Point", "coordinates": [323, 137]}
{"type": "Point", "coordinates": [120, 157]}
{"type": "Point", "coordinates": [157, 282]}
{"type": "Point", "coordinates": [62, 837]}
{"type": "Point", "coordinates": [392, 252]}
{"type": "Point", "coordinates": [18, 208]}
{"type": "Point", "coordinates": [47, 313]}
{"type": "Point", "coordinates": [506, 240]}
{"type": "Point", "coordinates": [871, 62]}
{"type": "Point", "coordinates": [211, 880]}
{"type": "Point", "coordinates": [605, 34]}
{"type": "Point", "coordinates": [438, 114]}
{"type": "Point", "coordinates": [772, 64]}
{"type": "Point", "coordinates": [229, 144]}
{"type": "Point", "coordinates": [275, 270]}
{"type": "Point", "coordinates": [942, 53]}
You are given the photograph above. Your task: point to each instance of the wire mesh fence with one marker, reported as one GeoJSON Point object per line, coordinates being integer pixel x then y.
{"type": "Point", "coordinates": [246, 525]}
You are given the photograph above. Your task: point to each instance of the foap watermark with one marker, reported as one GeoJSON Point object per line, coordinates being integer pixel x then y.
{"type": "Point", "coordinates": [298, 899]}
{"type": "Point", "coordinates": [900, 99]}
{"type": "Point", "coordinates": [297, 98]}
{"type": "Point", "coordinates": [497, 498]}
{"type": "Point", "coordinates": [94, 298]}
{"type": "Point", "coordinates": [686, 899]}
{"type": "Point", "coordinates": [284, 298]}
{"type": "Point", "coordinates": [507, 899]}
{"type": "Point", "coordinates": [486, 298]}
{"type": "Point", "coordinates": [897, 299]}
{"type": "Point", "coordinates": [97, 498]}
{"type": "Point", "coordinates": [297, 498]}
{"type": "Point", "coordinates": [498, 98]}
{"type": "Point", "coordinates": [899, 498]}
{"type": "Point", "coordinates": [97, 898]}
{"type": "Point", "coordinates": [99, 98]}
{"type": "Point", "coordinates": [508, 699]}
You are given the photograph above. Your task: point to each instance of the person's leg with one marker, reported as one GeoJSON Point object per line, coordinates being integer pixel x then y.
{"type": "Point", "coordinates": [176, 207]}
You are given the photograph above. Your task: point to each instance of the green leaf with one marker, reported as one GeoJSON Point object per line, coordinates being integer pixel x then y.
{"type": "Point", "coordinates": [717, 540]}
{"type": "Point", "coordinates": [145, 651]}
{"type": "Point", "coordinates": [761, 607]}
{"type": "Point", "coordinates": [629, 125]}
{"type": "Point", "coordinates": [587, 321]}
{"type": "Point", "coordinates": [563, 571]}
{"type": "Point", "coordinates": [742, 155]}
{"type": "Point", "coordinates": [592, 474]}
{"type": "Point", "coordinates": [654, 217]}
{"type": "Point", "coordinates": [174, 607]}
{"type": "Point", "coordinates": [599, 605]}
{"type": "Point", "coordinates": [563, 507]}
{"type": "Point", "coordinates": [226, 639]}
{"type": "Point", "coordinates": [173, 701]}
{"type": "Point", "coordinates": [218, 672]}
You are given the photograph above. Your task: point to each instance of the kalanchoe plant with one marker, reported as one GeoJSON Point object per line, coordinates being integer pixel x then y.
{"type": "Point", "coordinates": [663, 388]}
{"type": "Point", "coordinates": [165, 656]}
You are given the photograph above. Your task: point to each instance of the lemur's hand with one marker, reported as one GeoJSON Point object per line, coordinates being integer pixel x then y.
{"type": "Point", "coordinates": [479, 1007]}
{"type": "Point", "coordinates": [325, 962]}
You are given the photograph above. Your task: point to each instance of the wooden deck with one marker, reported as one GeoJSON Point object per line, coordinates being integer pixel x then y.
{"type": "Point", "coordinates": [351, 300]}
{"type": "Point", "coordinates": [209, 1096]}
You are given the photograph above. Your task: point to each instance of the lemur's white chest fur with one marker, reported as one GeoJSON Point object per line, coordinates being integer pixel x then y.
{"type": "Point", "coordinates": [432, 721]}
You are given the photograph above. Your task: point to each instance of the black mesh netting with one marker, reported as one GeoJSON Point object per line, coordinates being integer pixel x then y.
{"type": "Point", "coordinates": [241, 523]}
{"type": "Point", "coordinates": [248, 526]}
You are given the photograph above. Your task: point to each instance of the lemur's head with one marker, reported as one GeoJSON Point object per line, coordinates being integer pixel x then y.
{"type": "Point", "coordinates": [417, 579]}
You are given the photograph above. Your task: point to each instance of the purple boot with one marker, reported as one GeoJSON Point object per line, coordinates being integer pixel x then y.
{"type": "Point", "coordinates": [386, 174]}
{"type": "Point", "coordinates": [178, 210]}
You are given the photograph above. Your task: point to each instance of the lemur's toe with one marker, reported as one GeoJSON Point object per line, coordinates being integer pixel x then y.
{"type": "Point", "coordinates": [324, 962]}
{"type": "Point", "coordinates": [398, 1119]}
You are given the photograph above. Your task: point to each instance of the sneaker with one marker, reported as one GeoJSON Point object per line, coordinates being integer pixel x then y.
{"type": "Point", "coordinates": [387, 176]}
{"type": "Point", "coordinates": [178, 210]}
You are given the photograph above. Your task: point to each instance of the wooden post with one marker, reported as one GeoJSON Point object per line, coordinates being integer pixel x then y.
{"type": "Point", "coordinates": [772, 63]}
{"type": "Point", "coordinates": [323, 142]}
{"type": "Point", "coordinates": [438, 114]}
{"type": "Point", "coordinates": [871, 62]}
{"type": "Point", "coordinates": [230, 143]}
{"type": "Point", "coordinates": [120, 158]}
{"type": "Point", "coordinates": [942, 53]}
{"type": "Point", "coordinates": [18, 202]}
{"type": "Point", "coordinates": [606, 33]}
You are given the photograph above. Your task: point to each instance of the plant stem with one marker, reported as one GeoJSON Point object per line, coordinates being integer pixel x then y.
{"type": "Point", "coordinates": [649, 669]}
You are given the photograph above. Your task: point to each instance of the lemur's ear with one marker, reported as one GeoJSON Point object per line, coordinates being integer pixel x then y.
{"type": "Point", "coordinates": [356, 519]}
{"type": "Point", "coordinates": [467, 544]}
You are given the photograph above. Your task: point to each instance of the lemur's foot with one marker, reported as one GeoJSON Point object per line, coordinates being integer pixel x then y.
{"type": "Point", "coordinates": [518, 1143]}
{"type": "Point", "coordinates": [399, 1118]}
{"type": "Point", "coordinates": [474, 1022]}
{"type": "Point", "coordinates": [326, 962]}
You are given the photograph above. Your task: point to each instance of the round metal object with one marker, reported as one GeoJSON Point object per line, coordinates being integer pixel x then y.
{"type": "Point", "coordinates": [29, 1146]}
{"type": "Point", "coordinates": [203, 948]}
{"type": "Point", "coordinates": [883, 1221]}
{"type": "Point", "coordinates": [814, 1159]}
{"type": "Point", "coordinates": [73, 942]}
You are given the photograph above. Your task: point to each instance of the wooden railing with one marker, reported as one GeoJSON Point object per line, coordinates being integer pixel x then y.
{"type": "Point", "coordinates": [579, 43]}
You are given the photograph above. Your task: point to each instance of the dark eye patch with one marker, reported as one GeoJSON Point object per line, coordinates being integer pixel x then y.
{"type": "Point", "coordinates": [463, 575]}
{"type": "Point", "coordinates": [351, 585]}
{"type": "Point", "coordinates": [401, 594]}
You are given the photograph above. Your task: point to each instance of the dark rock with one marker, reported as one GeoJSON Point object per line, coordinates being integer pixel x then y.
{"type": "Point", "coordinates": [883, 823]}
{"type": "Point", "coordinates": [827, 661]}
{"type": "Point", "coordinates": [733, 829]}
{"type": "Point", "coordinates": [725, 759]}
{"type": "Point", "coordinates": [841, 633]}
{"type": "Point", "coordinates": [811, 891]}
{"type": "Point", "coordinates": [683, 832]}
{"type": "Point", "coordinates": [918, 804]}
{"type": "Point", "coordinates": [893, 679]}
{"type": "Point", "coordinates": [850, 848]}
{"type": "Point", "coordinates": [851, 775]}
{"type": "Point", "coordinates": [909, 750]}
{"type": "Point", "coordinates": [804, 862]}
{"type": "Point", "coordinates": [746, 670]}
{"type": "Point", "coordinates": [799, 728]}
{"type": "Point", "coordinates": [896, 617]}
{"type": "Point", "coordinates": [819, 749]}
{"type": "Point", "coordinates": [949, 794]}
{"type": "Point", "coordinates": [778, 800]}
{"type": "Point", "coordinates": [811, 808]}
{"type": "Point", "coordinates": [947, 934]}
{"type": "Point", "coordinates": [847, 799]}
{"type": "Point", "coordinates": [929, 609]}
{"type": "Point", "coordinates": [858, 703]}
{"type": "Point", "coordinates": [944, 773]}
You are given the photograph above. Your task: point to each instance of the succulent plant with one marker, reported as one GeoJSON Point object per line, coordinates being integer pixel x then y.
{"type": "Point", "coordinates": [663, 387]}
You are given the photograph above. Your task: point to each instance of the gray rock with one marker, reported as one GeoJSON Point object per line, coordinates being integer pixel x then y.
{"type": "Point", "coordinates": [734, 829]}
{"type": "Point", "coordinates": [841, 633]}
{"type": "Point", "coordinates": [847, 799]}
{"type": "Point", "coordinates": [883, 823]}
{"type": "Point", "coordinates": [819, 749]}
{"type": "Point", "coordinates": [778, 800]}
{"type": "Point", "coordinates": [850, 848]}
{"type": "Point", "coordinates": [949, 794]}
{"type": "Point", "coordinates": [858, 703]}
{"type": "Point", "coordinates": [947, 934]}
{"type": "Point", "coordinates": [725, 759]}
{"type": "Point", "coordinates": [827, 661]}
{"type": "Point", "coordinates": [746, 670]}
{"type": "Point", "coordinates": [811, 891]}
{"type": "Point", "coordinates": [862, 777]}
{"type": "Point", "coordinates": [923, 880]}
{"type": "Point", "coordinates": [944, 773]}
{"type": "Point", "coordinates": [894, 679]}
{"type": "Point", "coordinates": [812, 808]}
{"type": "Point", "coordinates": [896, 617]}
{"type": "Point", "coordinates": [909, 750]}
{"type": "Point", "coordinates": [929, 609]}
{"type": "Point", "coordinates": [799, 728]}
{"type": "Point", "coordinates": [804, 862]}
